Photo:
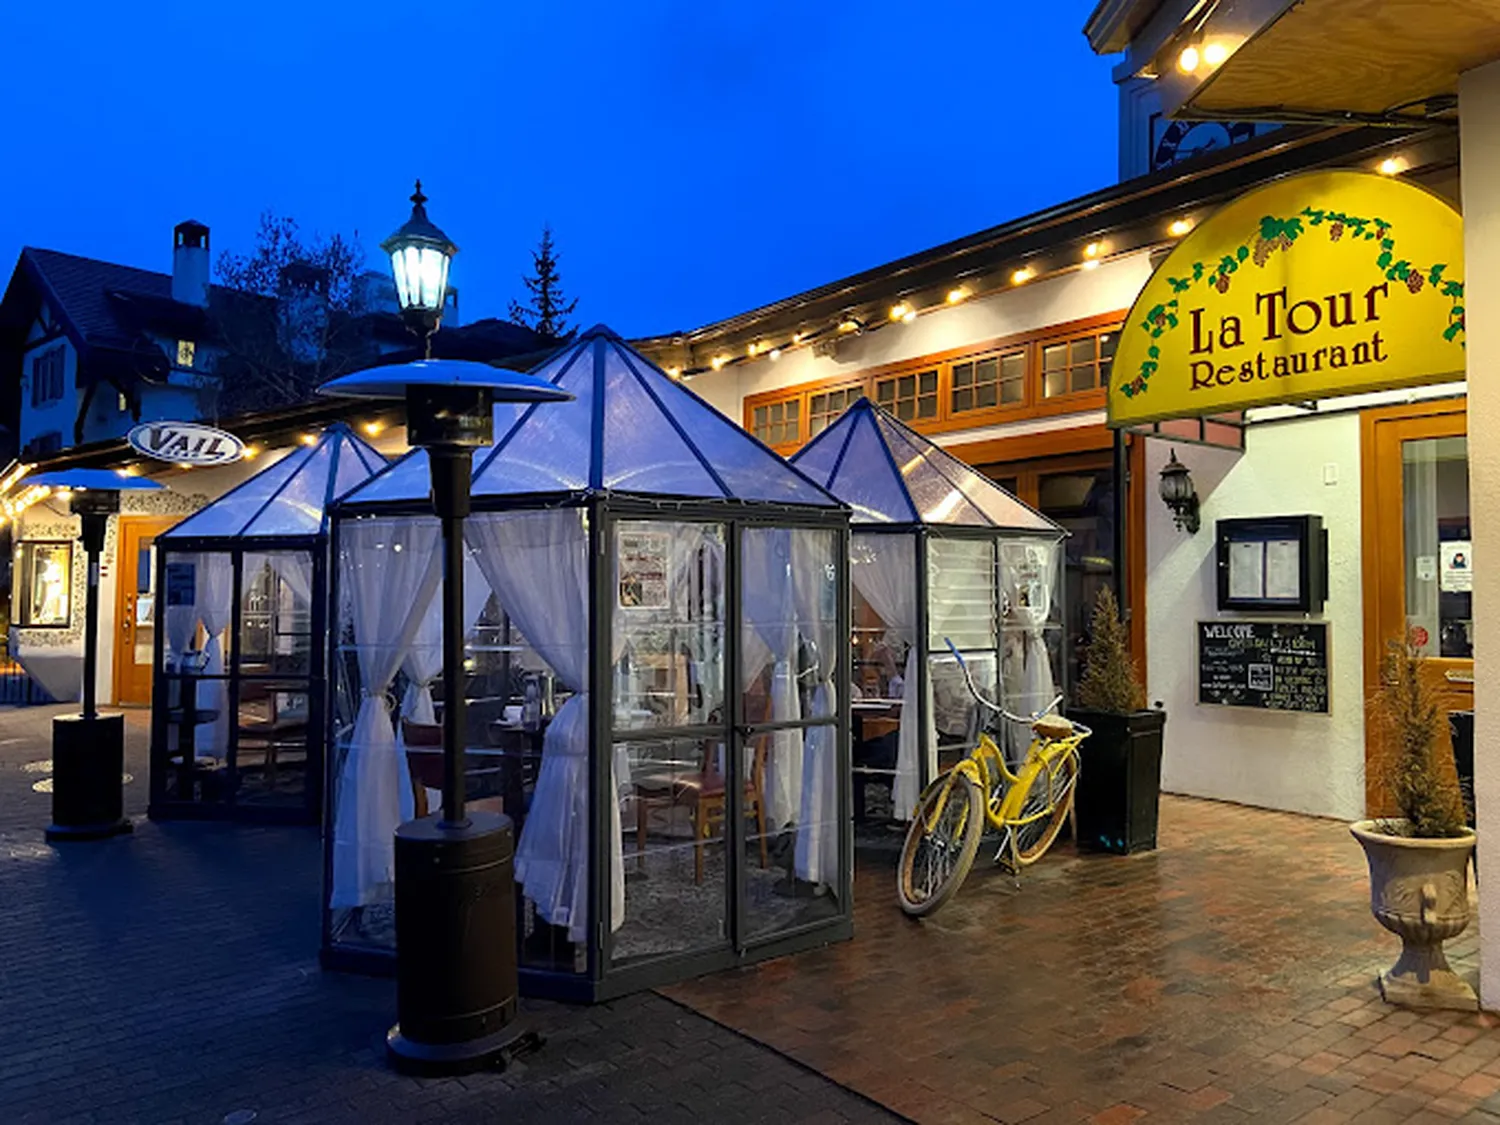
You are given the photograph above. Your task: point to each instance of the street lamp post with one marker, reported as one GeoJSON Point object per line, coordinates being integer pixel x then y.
{"type": "Point", "coordinates": [88, 749]}
{"type": "Point", "coordinates": [456, 977]}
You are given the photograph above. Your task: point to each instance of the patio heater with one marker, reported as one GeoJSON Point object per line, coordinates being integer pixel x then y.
{"type": "Point", "coordinates": [456, 976]}
{"type": "Point", "coordinates": [88, 749]}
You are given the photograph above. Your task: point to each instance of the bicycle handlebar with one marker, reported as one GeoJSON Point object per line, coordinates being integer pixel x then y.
{"type": "Point", "coordinates": [983, 702]}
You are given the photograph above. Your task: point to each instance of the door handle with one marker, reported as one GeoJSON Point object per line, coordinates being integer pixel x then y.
{"type": "Point", "coordinates": [1455, 677]}
{"type": "Point", "coordinates": [128, 616]}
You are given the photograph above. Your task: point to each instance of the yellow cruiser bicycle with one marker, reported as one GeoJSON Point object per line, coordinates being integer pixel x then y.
{"type": "Point", "coordinates": [1026, 807]}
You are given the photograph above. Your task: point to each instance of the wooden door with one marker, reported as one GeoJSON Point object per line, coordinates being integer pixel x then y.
{"type": "Point", "coordinates": [135, 606]}
{"type": "Point", "coordinates": [1417, 556]}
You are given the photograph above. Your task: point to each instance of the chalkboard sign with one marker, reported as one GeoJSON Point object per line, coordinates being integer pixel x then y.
{"type": "Point", "coordinates": [1271, 665]}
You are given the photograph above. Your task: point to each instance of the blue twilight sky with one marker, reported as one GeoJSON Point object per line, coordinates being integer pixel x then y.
{"type": "Point", "coordinates": [695, 158]}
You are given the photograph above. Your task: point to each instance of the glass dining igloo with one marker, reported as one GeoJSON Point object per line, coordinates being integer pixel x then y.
{"type": "Point", "coordinates": [237, 710]}
{"type": "Point", "coordinates": [939, 554]}
{"type": "Point", "coordinates": [662, 625]}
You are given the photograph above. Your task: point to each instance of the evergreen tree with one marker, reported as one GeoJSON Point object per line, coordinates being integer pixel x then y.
{"type": "Point", "coordinates": [546, 308]}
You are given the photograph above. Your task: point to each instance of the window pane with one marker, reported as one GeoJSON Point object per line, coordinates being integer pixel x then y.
{"type": "Point", "coordinates": [1055, 383]}
{"type": "Point", "coordinates": [907, 386]}
{"type": "Point", "coordinates": [986, 370]}
{"type": "Point", "coordinates": [1107, 345]}
{"type": "Point", "coordinates": [963, 400]}
{"type": "Point", "coordinates": [47, 581]}
{"type": "Point", "coordinates": [927, 406]}
{"type": "Point", "coordinates": [928, 381]}
{"type": "Point", "coordinates": [818, 404]}
{"type": "Point", "coordinates": [1013, 366]}
{"type": "Point", "coordinates": [963, 374]}
{"type": "Point", "coordinates": [1012, 391]}
{"type": "Point", "coordinates": [1083, 378]}
{"type": "Point", "coordinates": [885, 391]}
{"type": "Point", "coordinates": [760, 417]}
{"type": "Point", "coordinates": [1055, 357]}
{"type": "Point", "coordinates": [906, 410]}
{"type": "Point", "coordinates": [1083, 350]}
{"type": "Point", "coordinates": [1439, 551]}
{"type": "Point", "coordinates": [776, 412]}
{"type": "Point", "coordinates": [987, 394]}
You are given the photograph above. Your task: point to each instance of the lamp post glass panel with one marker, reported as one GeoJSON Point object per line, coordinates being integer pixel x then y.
{"type": "Point", "coordinates": [456, 977]}
{"type": "Point", "coordinates": [420, 256]}
{"type": "Point", "coordinates": [88, 749]}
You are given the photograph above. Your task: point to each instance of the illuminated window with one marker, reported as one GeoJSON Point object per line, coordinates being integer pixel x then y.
{"type": "Point", "coordinates": [776, 423]}
{"type": "Point", "coordinates": [186, 349]}
{"type": "Point", "coordinates": [122, 404]}
{"type": "Point", "coordinates": [993, 380]}
{"type": "Point", "coordinates": [909, 397]}
{"type": "Point", "coordinates": [824, 407]}
{"type": "Point", "coordinates": [42, 595]}
{"type": "Point", "coordinates": [1079, 364]}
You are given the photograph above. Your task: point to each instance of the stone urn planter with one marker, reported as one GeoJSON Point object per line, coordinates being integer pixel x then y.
{"type": "Point", "coordinates": [1419, 890]}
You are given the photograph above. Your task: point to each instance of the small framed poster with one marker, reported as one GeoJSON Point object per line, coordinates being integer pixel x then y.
{"type": "Point", "coordinates": [645, 582]}
{"type": "Point", "coordinates": [1277, 564]}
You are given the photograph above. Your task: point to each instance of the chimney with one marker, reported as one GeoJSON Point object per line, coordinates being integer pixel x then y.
{"type": "Point", "coordinates": [190, 263]}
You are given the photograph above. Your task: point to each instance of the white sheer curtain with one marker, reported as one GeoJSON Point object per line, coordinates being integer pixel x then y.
{"type": "Point", "coordinates": [960, 607]}
{"type": "Point", "coordinates": [816, 856]}
{"type": "Point", "coordinates": [768, 605]}
{"type": "Point", "coordinates": [390, 569]}
{"type": "Point", "coordinates": [883, 568]}
{"type": "Point", "coordinates": [214, 585]}
{"type": "Point", "coordinates": [1028, 585]}
{"type": "Point", "coordinates": [538, 565]}
{"type": "Point", "coordinates": [424, 661]}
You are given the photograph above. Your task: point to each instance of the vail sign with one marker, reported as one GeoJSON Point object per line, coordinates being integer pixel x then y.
{"type": "Point", "coordinates": [1324, 284]}
{"type": "Point", "coordinates": [186, 443]}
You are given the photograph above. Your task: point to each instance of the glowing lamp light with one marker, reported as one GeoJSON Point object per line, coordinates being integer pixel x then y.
{"type": "Point", "coordinates": [901, 310]}
{"type": "Point", "coordinates": [1215, 53]}
{"type": "Point", "coordinates": [420, 255]}
{"type": "Point", "coordinates": [1391, 166]}
{"type": "Point", "coordinates": [1180, 227]}
{"type": "Point", "coordinates": [1188, 60]}
{"type": "Point", "coordinates": [848, 324]}
{"type": "Point", "coordinates": [1022, 275]}
{"type": "Point", "coordinates": [1093, 249]}
{"type": "Point", "coordinates": [309, 439]}
{"type": "Point", "coordinates": [957, 294]}
{"type": "Point", "coordinates": [251, 452]}
{"type": "Point", "coordinates": [374, 428]}
{"type": "Point", "coordinates": [1091, 264]}
{"type": "Point", "coordinates": [718, 361]}
{"type": "Point", "coordinates": [675, 372]}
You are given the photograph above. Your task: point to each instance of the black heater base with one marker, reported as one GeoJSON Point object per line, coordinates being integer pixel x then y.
{"type": "Point", "coordinates": [456, 978]}
{"type": "Point", "coordinates": [88, 764]}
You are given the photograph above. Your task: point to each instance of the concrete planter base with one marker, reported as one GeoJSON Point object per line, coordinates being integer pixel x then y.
{"type": "Point", "coordinates": [1419, 890]}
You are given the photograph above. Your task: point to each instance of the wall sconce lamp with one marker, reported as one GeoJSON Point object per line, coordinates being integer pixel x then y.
{"type": "Point", "coordinates": [1179, 495]}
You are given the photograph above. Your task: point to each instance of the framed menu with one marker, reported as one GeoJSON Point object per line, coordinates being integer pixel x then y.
{"type": "Point", "coordinates": [1278, 564]}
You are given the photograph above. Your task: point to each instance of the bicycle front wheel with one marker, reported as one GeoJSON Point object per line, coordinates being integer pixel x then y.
{"type": "Point", "coordinates": [1046, 805]}
{"type": "Point", "coordinates": [935, 861]}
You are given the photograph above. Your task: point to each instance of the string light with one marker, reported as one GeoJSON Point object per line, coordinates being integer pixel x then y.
{"type": "Point", "coordinates": [1215, 53]}
{"type": "Point", "coordinates": [1188, 60]}
{"type": "Point", "coordinates": [903, 311]}
{"type": "Point", "coordinates": [957, 294]}
{"type": "Point", "coordinates": [1091, 263]}
{"type": "Point", "coordinates": [183, 465]}
{"type": "Point", "coordinates": [129, 471]}
{"type": "Point", "coordinates": [252, 452]}
{"type": "Point", "coordinates": [849, 324]}
{"type": "Point", "coordinates": [374, 428]}
{"type": "Point", "coordinates": [775, 354]}
{"type": "Point", "coordinates": [1391, 166]}
{"type": "Point", "coordinates": [675, 372]}
{"type": "Point", "coordinates": [309, 439]}
{"type": "Point", "coordinates": [718, 361]}
{"type": "Point", "coordinates": [1093, 250]}
{"type": "Point", "coordinates": [1022, 275]}
{"type": "Point", "coordinates": [1180, 227]}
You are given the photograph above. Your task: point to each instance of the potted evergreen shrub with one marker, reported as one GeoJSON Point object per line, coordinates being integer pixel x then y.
{"type": "Point", "coordinates": [1419, 879]}
{"type": "Point", "coordinates": [1119, 780]}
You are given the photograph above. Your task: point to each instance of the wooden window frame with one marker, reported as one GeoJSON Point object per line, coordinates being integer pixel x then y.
{"type": "Point", "coordinates": [934, 369]}
{"type": "Point", "coordinates": [1100, 390]}
{"type": "Point", "coordinates": [1032, 405]}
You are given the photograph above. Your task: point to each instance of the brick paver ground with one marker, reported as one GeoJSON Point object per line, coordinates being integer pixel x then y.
{"type": "Point", "coordinates": [1227, 977]}
{"type": "Point", "coordinates": [172, 976]}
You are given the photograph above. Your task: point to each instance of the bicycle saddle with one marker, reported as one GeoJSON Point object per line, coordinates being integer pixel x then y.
{"type": "Point", "coordinates": [1053, 726]}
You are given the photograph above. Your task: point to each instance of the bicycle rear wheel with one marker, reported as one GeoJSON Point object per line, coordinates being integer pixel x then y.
{"type": "Point", "coordinates": [934, 864]}
{"type": "Point", "coordinates": [1053, 787]}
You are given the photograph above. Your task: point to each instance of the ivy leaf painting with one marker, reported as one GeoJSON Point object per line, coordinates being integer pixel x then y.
{"type": "Point", "coordinates": [1452, 330]}
{"type": "Point", "coordinates": [1242, 253]}
{"type": "Point", "coordinates": [1384, 260]}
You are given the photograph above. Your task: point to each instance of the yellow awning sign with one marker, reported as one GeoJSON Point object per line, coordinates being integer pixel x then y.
{"type": "Point", "coordinates": [1322, 284]}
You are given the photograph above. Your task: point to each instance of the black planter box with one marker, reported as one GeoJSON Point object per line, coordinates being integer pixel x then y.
{"type": "Point", "coordinates": [1119, 783]}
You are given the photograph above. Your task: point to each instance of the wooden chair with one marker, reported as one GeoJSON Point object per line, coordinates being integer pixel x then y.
{"type": "Point", "coordinates": [424, 760]}
{"type": "Point", "coordinates": [704, 795]}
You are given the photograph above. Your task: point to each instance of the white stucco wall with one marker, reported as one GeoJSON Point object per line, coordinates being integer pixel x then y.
{"type": "Point", "coordinates": [1296, 762]}
{"type": "Point", "coordinates": [1479, 123]}
{"type": "Point", "coordinates": [1026, 308]}
{"type": "Point", "coordinates": [59, 414]}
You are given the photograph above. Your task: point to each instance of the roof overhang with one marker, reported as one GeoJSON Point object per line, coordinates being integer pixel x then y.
{"type": "Point", "coordinates": [1310, 61]}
